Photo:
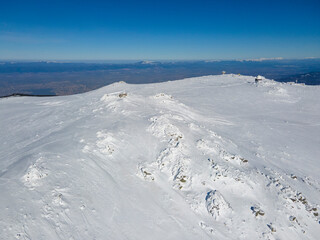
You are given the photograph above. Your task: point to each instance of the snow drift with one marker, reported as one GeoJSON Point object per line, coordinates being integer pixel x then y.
{"type": "Point", "coordinates": [215, 157]}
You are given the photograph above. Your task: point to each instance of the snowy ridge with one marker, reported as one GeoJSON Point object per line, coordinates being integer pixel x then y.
{"type": "Point", "coordinates": [216, 157]}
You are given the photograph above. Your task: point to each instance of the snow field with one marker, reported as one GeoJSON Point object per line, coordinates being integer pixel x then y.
{"type": "Point", "coordinates": [203, 158]}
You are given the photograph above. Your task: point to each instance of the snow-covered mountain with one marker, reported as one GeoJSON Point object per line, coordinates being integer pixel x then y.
{"type": "Point", "coordinates": [215, 157]}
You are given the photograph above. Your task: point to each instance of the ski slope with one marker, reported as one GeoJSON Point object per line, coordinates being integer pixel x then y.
{"type": "Point", "coordinates": [214, 157]}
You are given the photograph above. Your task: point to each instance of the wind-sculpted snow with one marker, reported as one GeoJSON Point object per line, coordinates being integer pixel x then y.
{"type": "Point", "coordinates": [217, 157]}
{"type": "Point", "coordinates": [217, 205]}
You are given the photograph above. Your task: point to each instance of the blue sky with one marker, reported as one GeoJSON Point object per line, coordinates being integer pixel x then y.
{"type": "Point", "coordinates": [102, 30]}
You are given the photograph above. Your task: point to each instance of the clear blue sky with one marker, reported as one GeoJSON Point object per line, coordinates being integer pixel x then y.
{"type": "Point", "coordinates": [96, 30]}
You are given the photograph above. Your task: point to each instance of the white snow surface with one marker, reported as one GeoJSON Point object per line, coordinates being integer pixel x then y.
{"type": "Point", "coordinates": [214, 157]}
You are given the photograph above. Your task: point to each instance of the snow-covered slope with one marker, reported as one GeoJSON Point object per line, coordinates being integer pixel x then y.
{"type": "Point", "coordinates": [216, 157]}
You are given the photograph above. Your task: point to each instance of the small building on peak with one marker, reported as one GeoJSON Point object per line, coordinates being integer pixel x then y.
{"type": "Point", "coordinates": [258, 78]}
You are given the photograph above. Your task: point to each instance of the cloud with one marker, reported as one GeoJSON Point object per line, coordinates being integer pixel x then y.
{"type": "Point", "coordinates": [261, 59]}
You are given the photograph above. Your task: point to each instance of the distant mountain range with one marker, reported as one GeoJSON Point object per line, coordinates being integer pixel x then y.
{"type": "Point", "coordinates": [64, 78]}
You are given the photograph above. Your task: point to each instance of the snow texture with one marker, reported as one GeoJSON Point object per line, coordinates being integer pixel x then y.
{"type": "Point", "coordinates": [214, 157]}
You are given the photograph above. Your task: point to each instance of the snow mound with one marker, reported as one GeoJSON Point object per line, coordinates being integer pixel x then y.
{"type": "Point", "coordinates": [35, 173]}
{"type": "Point", "coordinates": [216, 205]}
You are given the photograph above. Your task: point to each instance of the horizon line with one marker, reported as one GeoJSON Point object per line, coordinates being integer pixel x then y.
{"type": "Point", "coordinates": [154, 60]}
